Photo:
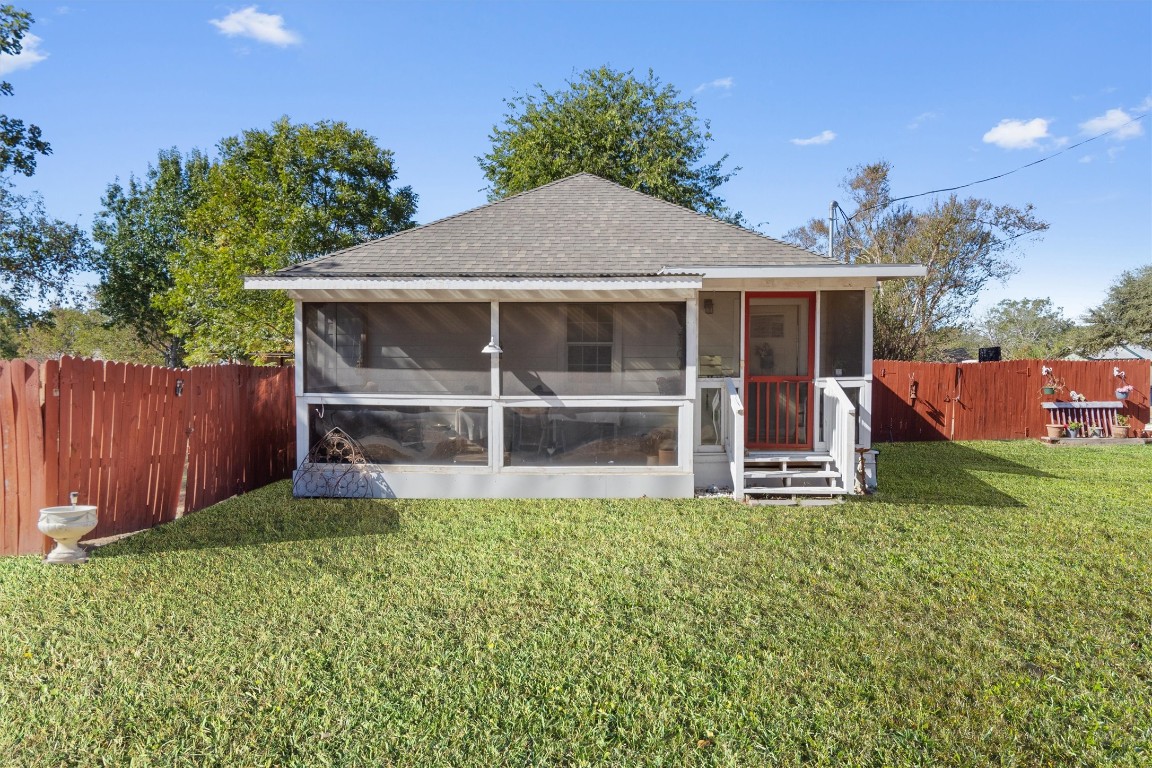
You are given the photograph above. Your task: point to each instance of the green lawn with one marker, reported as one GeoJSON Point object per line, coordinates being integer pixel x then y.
{"type": "Point", "coordinates": [992, 606]}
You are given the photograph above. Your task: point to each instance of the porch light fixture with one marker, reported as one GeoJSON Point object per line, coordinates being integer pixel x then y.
{"type": "Point", "coordinates": [492, 348]}
{"type": "Point", "coordinates": [709, 307]}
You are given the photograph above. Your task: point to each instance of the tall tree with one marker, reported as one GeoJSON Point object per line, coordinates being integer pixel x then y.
{"type": "Point", "coordinates": [1026, 328]}
{"type": "Point", "coordinates": [638, 133]}
{"type": "Point", "coordinates": [19, 143]}
{"type": "Point", "coordinates": [272, 199]}
{"type": "Point", "coordinates": [965, 243]}
{"type": "Point", "coordinates": [13, 321]}
{"type": "Point", "coordinates": [1125, 315]}
{"type": "Point", "coordinates": [139, 230]}
{"type": "Point", "coordinates": [38, 254]}
{"type": "Point", "coordinates": [82, 332]}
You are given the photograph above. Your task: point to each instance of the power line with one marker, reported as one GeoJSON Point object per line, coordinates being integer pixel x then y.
{"type": "Point", "coordinates": [999, 175]}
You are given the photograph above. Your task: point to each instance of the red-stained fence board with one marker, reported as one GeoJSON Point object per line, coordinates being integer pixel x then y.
{"type": "Point", "coordinates": [120, 436]}
{"type": "Point", "coordinates": [992, 401]}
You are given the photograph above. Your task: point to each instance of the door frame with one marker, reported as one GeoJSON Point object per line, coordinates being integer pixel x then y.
{"type": "Point", "coordinates": [808, 379]}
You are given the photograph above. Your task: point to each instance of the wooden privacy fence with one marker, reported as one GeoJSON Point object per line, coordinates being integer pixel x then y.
{"type": "Point", "coordinates": [991, 401]}
{"type": "Point", "coordinates": [122, 435]}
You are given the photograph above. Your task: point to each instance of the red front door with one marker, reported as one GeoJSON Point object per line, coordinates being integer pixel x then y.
{"type": "Point", "coordinates": [778, 349]}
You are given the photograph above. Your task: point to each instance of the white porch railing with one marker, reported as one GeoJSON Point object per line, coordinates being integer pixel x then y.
{"type": "Point", "coordinates": [734, 437]}
{"type": "Point", "coordinates": [839, 430]}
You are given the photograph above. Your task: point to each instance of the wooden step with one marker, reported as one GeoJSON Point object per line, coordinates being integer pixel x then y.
{"type": "Point", "coordinates": [789, 458]}
{"type": "Point", "coordinates": [780, 474]}
{"type": "Point", "coordinates": [802, 490]}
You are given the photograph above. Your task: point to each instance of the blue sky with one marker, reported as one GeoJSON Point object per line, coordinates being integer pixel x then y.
{"type": "Point", "coordinates": [797, 93]}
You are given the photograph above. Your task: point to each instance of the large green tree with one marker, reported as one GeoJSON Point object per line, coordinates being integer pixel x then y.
{"type": "Point", "coordinates": [965, 243]}
{"type": "Point", "coordinates": [82, 332]}
{"type": "Point", "coordinates": [638, 133]}
{"type": "Point", "coordinates": [139, 230]}
{"type": "Point", "coordinates": [38, 254]}
{"type": "Point", "coordinates": [1125, 315]}
{"type": "Point", "coordinates": [19, 143]}
{"type": "Point", "coordinates": [274, 198]}
{"type": "Point", "coordinates": [1026, 328]}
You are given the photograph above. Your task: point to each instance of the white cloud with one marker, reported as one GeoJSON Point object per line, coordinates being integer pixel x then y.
{"type": "Point", "coordinates": [1018, 134]}
{"type": "Point", "coordinates": [920, 119]}
{"type": "Point", "coordinates": [1113, 120]}
{"type": "Point", "coordinates": [1145, 105]}
{"type": "Point", "coordinates": [264, 27]}
{"type": "Point", "coordinates": [1086, 159]}
{"type": "Point", "coordinates": [720, 83]}
{"type": "Point", "coordinates": [821, 138]}
{"type": "Point", "coordinates": [30, 55]}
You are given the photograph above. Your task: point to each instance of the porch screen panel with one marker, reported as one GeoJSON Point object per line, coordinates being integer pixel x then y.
{"type": "Point", "coordinates": [578, 437]}
{"type": "Point", "coordinates": [404, 434]}
{"type": "Point", "coordinates": [427, 349]}
{"type": "Point", "coordinates": [720, 333]}
{"type": "Point", "coordinates": [842, 333]}
{"type": "Point", "coordinates": [622, 348]}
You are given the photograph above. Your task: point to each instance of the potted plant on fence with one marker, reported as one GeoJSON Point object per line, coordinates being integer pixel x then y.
{"type": "Point", "coordinates": [1125, 388]}
{"type": "Point", "coordinates": [1074, 428]}
{"type": "Point", "coordinates": [1120, 428]}
{"type": "Point", "coordinates": [1051, 385]}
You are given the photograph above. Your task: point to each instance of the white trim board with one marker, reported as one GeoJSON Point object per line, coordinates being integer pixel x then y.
{"type": "Point", "coordinates": [818, 271]}
{"type": "Point", "coordinates": [466, 288]}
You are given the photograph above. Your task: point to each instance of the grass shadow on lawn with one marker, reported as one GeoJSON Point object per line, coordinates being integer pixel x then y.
{"type": "Point", "coordinates": [945, 473]}
{"type": "Point", "coordinates": [268, 515]}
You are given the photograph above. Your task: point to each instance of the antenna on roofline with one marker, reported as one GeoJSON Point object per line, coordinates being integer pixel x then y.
{"type": "Point", "coordinates": [831, 228]}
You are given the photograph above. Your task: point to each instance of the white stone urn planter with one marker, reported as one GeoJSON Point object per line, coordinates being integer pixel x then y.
{"type": "Point", "coordinates": [67, 525]}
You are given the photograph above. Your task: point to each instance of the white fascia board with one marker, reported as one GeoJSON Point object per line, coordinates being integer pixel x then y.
{"type": "Point", "coordinates": [654, 288]}
{"type": "Point", "coordinates": [681, 280]}
{"type": "Point", "coordinates": [874, 271]}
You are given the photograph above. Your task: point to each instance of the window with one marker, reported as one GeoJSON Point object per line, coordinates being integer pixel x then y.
{"type": "Point", "coordinates": [622, 348]}
{"type": "Point", "coordinates": [590, 338]}
{"type": "Point", "coordinates": [429, 349]}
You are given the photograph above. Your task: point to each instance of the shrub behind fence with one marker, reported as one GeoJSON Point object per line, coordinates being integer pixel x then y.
{"type": "Point", "coordinates": [121, 435]}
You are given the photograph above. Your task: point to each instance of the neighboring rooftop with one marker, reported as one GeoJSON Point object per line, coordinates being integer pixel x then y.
{"type": "Point", "coordinates": [579, 225]}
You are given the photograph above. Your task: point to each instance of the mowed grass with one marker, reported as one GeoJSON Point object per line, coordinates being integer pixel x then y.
{"type": "Point", "coordinates": [993, 606]}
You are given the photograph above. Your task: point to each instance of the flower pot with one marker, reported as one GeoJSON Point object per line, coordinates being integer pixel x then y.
{"type": "Point", "coordinates": [1121, 394]}
{"type": "Point", "coordinates": [1119, 431]}
{"type": "Point", "coordinates": [1073, 433]}
{"type": "Point", "coordinates": [1048, 390]}
{"type": "Point", "coordinates": [1055, 431]}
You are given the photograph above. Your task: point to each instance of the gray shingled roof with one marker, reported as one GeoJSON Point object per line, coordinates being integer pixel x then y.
{"type": "Point", "coordinates": [580, 225]}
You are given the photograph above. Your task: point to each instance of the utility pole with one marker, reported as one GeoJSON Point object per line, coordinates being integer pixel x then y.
{"type": "Point", "coordinates": [831, 229]}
